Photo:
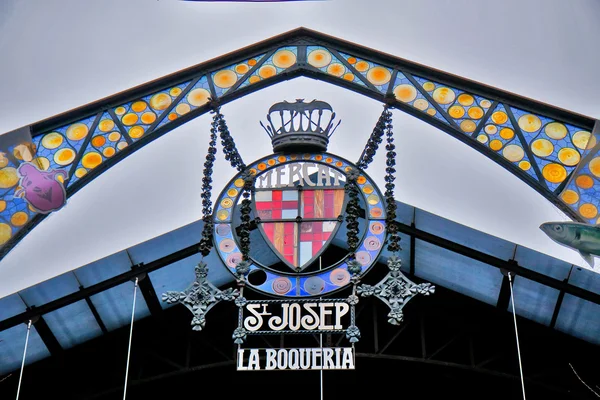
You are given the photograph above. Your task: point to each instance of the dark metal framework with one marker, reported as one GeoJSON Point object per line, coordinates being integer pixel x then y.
{"type": "Point", "coordinates": [301, 39]}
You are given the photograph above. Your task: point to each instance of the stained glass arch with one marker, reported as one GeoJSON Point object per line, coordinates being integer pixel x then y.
{"type": "Point", "coordinates": [553, 150]}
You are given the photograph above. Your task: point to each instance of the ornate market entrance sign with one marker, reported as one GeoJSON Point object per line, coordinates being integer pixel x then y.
{"type": "Point", "coordinates": [298, 200]}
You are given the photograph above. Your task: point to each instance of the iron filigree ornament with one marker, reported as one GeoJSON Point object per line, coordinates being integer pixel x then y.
{"type": "Point", "coordinates": [200, 297]}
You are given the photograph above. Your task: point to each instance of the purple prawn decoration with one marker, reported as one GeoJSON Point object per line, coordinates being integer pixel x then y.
{"type": "Point", "coordinates": [43, 191]}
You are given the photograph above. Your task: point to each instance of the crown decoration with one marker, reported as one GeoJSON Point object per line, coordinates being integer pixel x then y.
{"type": "Point", "coordinates": [300, 126]}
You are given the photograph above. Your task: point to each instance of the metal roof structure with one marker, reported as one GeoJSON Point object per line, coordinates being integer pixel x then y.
{"type": "Point", "coordinates": [96, 298]}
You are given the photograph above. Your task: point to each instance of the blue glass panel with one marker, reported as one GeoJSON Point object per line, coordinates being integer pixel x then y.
{"type": "Point", "coordinates": [103, 269]}
{"type": "Point", "coordinates": [405, 213]}
{"type": "Point", "coordinates": [456, 272]}
{"type": "Point", "coordinates": [534, 300]}
{"type": "Point", "coordinates": [50, 290]}
{"type": "Point", "coordinates": [579, 318]}
{"type": "Point", "coordinates": [542, 263]}
{"type": "Point", "coordinates": [166, 244]}
{"type": "Point", "coordinates": [114, 306]}
{"type": "Point", "coordinates": [180, 275]}
{"type": "Point", "coordinates": [73, 324]}
{"type": "Point", "coordinates": [12, 343]}
{"type": "Point", "coordinates": [11, 306]}
{"type": "Point", "coordinates": [586, 279]}
{"type": "Point", "coordinates": [464, 235]}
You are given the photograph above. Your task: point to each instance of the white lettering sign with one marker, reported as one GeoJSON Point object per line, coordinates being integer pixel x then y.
{"type": "Point", "coordinates": [328, 358]}
{"type": "Point", "coordinates": [302, 173]}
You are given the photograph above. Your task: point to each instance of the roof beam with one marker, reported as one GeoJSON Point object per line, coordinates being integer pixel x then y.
{"type": "Point", "coordinates": [47, 336]}
{"type": "Point", "coordinates": [149, 294]}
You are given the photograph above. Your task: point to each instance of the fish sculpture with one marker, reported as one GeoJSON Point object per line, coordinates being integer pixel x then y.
{"type": "Point", "coordinates": [581, 237]}
{"type": "Point", "coordinates": [42, 189]}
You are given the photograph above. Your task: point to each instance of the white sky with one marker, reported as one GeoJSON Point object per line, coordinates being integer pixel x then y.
{"type": "Point", "coordinates": [61, 54]}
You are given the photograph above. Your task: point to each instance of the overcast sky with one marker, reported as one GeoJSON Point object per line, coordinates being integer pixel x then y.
{"type": "Point", "coordinates": [57, 55]}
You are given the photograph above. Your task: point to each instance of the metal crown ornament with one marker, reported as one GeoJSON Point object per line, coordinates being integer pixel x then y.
{"type": "Point", "coordinates": [300, 126]}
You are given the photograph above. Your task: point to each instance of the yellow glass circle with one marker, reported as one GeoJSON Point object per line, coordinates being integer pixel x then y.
{"type": "Point", "coordinates": [373, 199]}
{"type": "Point", "coordinates": [239, 182]}
{"type": "Point", "coordinates": [64, 156]}
{"type": "Point", "coordinates": [252, 171]}
{"type": "Point", "coordinates": [80, 172]}
{"type": "Point", "coordinates": [225, 79]}
{"type": "Point", "coordinates": [468, 126]}
{"type": "Point", "coordinates": [339, 164]}
{"type": "Point", "coordinates": [329, 160]}
{"type": "Point", "coordinates": [588, 210]}
{"type": "Point", "coordinates": [282, 159]}
{"type": "Point", "coordinates": [77, 131]}
{"type": "Point", "coordinates": [376, 212]}
{"type": "Point", "coordinates": [106, 125]}
{"type": "Point", "coordinates": [584, 181]}
{"type": "Point", "coordinates": [429, 86]}
{"type": "Point", "coordinates": [485, 103]}
{"type": "Point", "coordinates": [3, 160]}
{"type": "Point", "coordinates": [197, 97]}
{"type": "Point", "coordinates": [530, 123]}
{"type": "Point", "coordinates": [284, 59]}
{"type": "Point", "coordinates": [421, 104]}
{"type": "Point", "coordinates": [581, 139]}
{"type": "Point", "coordinates": [554, 173]}
{"type": "Point", "coordinates": [362, 66]}
{"type": "Point", "coordinates": [570, 196]}
{"type": "Point", "coordinates": [232, 192]}
{"type": "Point", "coordinates": [482, 138]}
{"type": "Point", "coordinates": [8, 177]}
{"type": "Point", "coordinates": [262, 166]}
{"type": "Point", "coordinates": [513, 153]}
{"type": "Point", "coordinates": [499, 117]}
{"type": "Point", "coordinates": [43, 163]}
{"type": "Point", "coordinates": [160, 101]}
{"type": "Point", "coordinates": [272, 162]}
{"type": "Point", "coordinates": [19, 218]}
{"type": "Point", "coordinates": [222, 215]}
{"type": "Point", "coordinates": [120, 110]}
{"type": "Point", "coordinates": [542, 147]}
{"type": "Point", "coordinates": [319, 58]}
{"type": "Point", "coordinates": [98, 141]}
{"type": "Point", "coordinates": [2, 205]}
{"type": "Point", "coordinates": [318, 157]}
{"type": "Point", "coordinates": [252, 62]}
{"type": "Point", "coordinates": [368, 189]}
{"type": "Point", "coordinates": [242, 69]}
{"type": "Point", "coordinates": [91, 160]}
{"type": "Point", "coordinates": [136, 132]}
{"type": "Point", "coordinates": [175, 91]}
{"type": "Point", "coordinates": [182, 108]}
{"type": "Point", "coordinates": [52, 140]}
{"type": "Point", "coordinates": [114, 136]}
{"type": "Point", "coordinates": [444, 95]}
{"type": "Point", "coordinates": [148, 117]}
{"type": "Point", "coordinates": [109, 152]}
{"type": "Point", "coordinates": [379, 76]}
{"type": "Point", "coordinates": [456, 112]}
{"type": "Point", "coordinates": [172, 116]}
{"type": "Point", "coordinates": [525, 165]}
{"type": "Point", "coordinates": [226, 202]}
{"type": "Point", "coordinates": [267, 71]}
{"type": "Point", "coordinates": [405, 93]}
{"type": "Point", "coordinates": [431, 111]}
{"type": "Point", "coordinates": [254, 79]}
{"type": "Point", "coordinates": [129, 119]}
{"type": "Point", "coordinates": [361, 180]}
{"type": "Point", "coordinates": [495, 145]}
{"type": "Point", "coordinates": [475, 112]}
{"type": "Point", "coordinates": [336, 69]}
{"type": "Point", "coordinates": [138, 106]}
{"type": "Point", "coordinates": [466, 99]}
{"type": "Point", "coordinates": [121, 145]}
{"type": "Point", "coordinates": [556, 130]}
{"type": "Point", "coordinates": [352, 60]}
{"type": "Point", "coordinates": [294, 156]}
{"type": "Point", "coordinates": [507, 133]}
{"type": "Point", "coordinates": [569, 156]}
{"type": "Point", "coordinates": [490, 129]}
{"type": "Point", "coordinates": [5, 233]}
{"type": "Point", "coordinates": [594, 166]}
{"type": "Point", "coordinates": [349, 76]}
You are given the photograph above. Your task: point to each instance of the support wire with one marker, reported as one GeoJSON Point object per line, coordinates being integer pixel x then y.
{"type": "Point", "coordinates": [130, 338]}
{"type": "Point", "coordinates": [23, 362]}
{"type": "Point", "coordinates": [512, 300]}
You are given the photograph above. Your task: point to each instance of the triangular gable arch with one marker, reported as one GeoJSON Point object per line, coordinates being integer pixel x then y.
{"type": "Point", "coordinates": [546, 147]}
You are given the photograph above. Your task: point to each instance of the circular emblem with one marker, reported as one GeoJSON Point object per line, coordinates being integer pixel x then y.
{"type": "Point", "coordinates": [299, 202]}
